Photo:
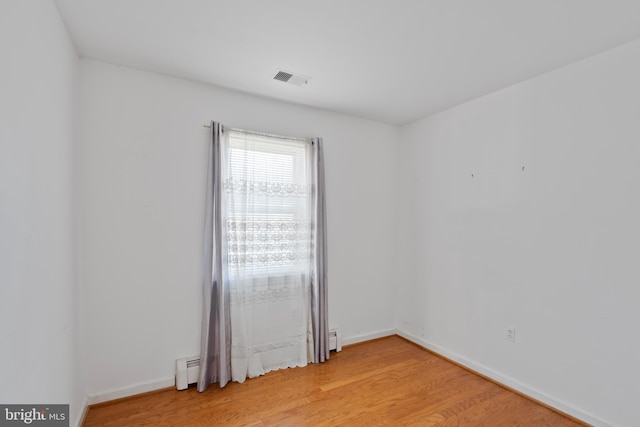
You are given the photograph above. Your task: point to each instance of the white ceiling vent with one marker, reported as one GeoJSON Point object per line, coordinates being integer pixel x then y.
{"type": "Point", "coordinates": [292, 78]}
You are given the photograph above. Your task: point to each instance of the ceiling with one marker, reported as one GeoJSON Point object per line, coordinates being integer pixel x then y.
{"type": "Point", "coordinates": [388, 60]}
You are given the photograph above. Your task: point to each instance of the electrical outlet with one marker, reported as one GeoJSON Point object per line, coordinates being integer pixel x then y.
{"type": "Point", "coordinates": [511, 334]}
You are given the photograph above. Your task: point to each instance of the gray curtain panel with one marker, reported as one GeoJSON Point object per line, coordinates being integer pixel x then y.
{"type": "Point", "coordinates": [215, 348]}
{"type": "Point", "coordinates": [319, 307]}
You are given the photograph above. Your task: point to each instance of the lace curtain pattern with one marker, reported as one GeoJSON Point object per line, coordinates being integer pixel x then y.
{"type": "Point", "coordinates": [273, 241]}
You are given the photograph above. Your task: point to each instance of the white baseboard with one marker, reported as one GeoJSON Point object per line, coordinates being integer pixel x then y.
{"type": "Point", "coordinates": [507, 381]}
{"type": "Point", "coordinates": [82, 413]}
{"type": "Point", "coordinates": [131, 390]}
{"type": "Point", "coordinates": [367, 337]}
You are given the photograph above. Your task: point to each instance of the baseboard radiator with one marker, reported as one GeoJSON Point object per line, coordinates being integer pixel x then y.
{"type": "Point", "coordinates": [335, 339]}
{"type": "Point", "coordinates": [187, 371]}
{"type": "Point", "coordinates": [188, 368]}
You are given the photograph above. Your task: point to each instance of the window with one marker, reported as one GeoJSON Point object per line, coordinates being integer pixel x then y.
{"type": "Point", "coordinates": [268, 223]}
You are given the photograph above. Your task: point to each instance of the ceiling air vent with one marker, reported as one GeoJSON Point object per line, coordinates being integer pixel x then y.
{"type": "Point", "coordinates": [294, 79]}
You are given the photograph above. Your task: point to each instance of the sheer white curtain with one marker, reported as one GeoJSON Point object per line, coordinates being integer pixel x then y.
{"type": "Point", "coordinates": [268, 206]}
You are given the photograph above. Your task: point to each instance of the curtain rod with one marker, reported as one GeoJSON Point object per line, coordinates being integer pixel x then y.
{"type": "Point", "coordinates": [271, 135]}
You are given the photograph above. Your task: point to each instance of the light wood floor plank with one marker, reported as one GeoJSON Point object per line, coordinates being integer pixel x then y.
{"type": "Point", "coordinates": [385, 382]}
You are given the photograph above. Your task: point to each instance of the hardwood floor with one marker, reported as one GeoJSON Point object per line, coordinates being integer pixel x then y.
{"type": "Point", "coordinates": [383, 382]}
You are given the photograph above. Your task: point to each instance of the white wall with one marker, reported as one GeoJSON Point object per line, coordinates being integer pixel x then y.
{"type": "Point", "coordinates": [552, 249]}
{"type": "Point", "coordinates": [40, 350]}
{"type": "Point", "coordinates": [144, 164]}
